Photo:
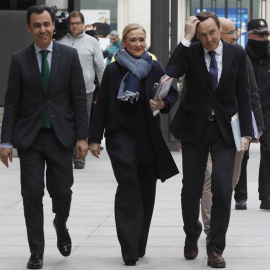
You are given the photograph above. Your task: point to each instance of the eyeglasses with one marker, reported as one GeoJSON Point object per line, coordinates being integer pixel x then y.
{"type": "Point", "coordinates": [75, 23]}
{"type": "Point", "coordinates": [231, 33]}
{"type": "Point", "coordinates": [261, 34]}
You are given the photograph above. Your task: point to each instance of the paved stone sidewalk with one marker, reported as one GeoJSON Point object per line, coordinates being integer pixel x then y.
{"type": "Point", "coordinates": [92, 227]}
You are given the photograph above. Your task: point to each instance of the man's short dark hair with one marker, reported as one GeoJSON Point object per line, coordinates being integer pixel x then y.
{"type": "Point", "coordinates": [39, 9]}
{"type": "Point", "coordinates": [75, 14]}
{"type": "Point", "coordinates": [204, 15]}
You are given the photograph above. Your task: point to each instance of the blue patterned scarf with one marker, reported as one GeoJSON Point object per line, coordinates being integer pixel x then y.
{"type": "Point", "coordinates": [138, 69]}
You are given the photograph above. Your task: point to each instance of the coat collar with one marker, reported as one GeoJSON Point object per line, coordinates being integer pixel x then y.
{"type": "Point", "coordinates": [81, 35]}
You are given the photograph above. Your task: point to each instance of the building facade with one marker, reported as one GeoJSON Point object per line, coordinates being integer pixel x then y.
{"type": "Point", "coordinates": [163, 20]}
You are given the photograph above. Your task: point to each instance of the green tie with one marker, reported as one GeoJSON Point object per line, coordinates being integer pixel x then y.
{"type": "Point", "coordinates": [45, 75]}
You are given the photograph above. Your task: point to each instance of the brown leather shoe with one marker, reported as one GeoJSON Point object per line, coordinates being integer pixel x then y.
{"type": "Point", "coordinates": [191, 250]}
{"type": "Point", "coordinates": [215, 260]}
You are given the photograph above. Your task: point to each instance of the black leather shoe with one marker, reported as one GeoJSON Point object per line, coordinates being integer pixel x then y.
{"type": "Point", "coordinates": [265, 204]}
{"type": "Point", "coordinates": [215, 260]}
{"type": "Point", "coordinates": [63, 239]}
{"type": "Point", "coordinates": [191, 250]}
{"type": "Point", "coordinates": [130, 263]}
{"type": "Point", "coordinates": [35, 261]}
{"type": "Point", "coordinates": [241, 205]}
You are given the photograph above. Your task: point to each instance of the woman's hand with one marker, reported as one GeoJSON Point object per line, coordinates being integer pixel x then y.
{"type": "Point", "coordinates": [95, 149]}
{"type": "Point", "coordinates": [156, 104]}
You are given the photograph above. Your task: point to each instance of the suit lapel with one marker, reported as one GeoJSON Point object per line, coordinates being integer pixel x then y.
{"type": "Point", "coordinates": [199, 61]}
{"type": "Point", "coordinates": [56, 62]}
{"type": "Point", "coordinates": [33, 66]}
{"type": "Point", "coordinates": [227, 59]}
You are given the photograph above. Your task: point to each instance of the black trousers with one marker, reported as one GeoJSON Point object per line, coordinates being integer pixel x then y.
{"type": "Point", "coordinates": [264, 171]}
{"type": "Point", "coordinates": [194, 166]}
{"type": "Point", "coordinates": [134, 198]}
{"type": "Point", "coordinates": [47, 151]}
{"type": "Point", "coordinates": [240, 191]}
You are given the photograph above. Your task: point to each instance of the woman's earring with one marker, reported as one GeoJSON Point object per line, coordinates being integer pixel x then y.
{"type": "Point", "coordinates": [123, 49]}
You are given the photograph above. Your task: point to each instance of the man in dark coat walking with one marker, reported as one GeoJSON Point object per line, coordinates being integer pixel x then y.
{"type": "Point", "coordinates": [45, 116]}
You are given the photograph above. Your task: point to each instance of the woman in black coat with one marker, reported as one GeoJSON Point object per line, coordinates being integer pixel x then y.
{"type": "Point", "coordinates": [138, 152]}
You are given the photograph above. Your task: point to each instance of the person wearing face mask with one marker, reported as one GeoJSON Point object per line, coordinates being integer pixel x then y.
{"type": "Point", "coordinates": [258, 50]}
{"type": "Point", "coordinates": [134, 142]}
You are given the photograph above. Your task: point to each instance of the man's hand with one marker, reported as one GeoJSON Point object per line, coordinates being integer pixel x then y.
{"type": "Point", "coordinates": [179, 145]}
{"type": "Point", "coordinates": [157, 104]}
{"type": "Point", "coordinates": [190, 27]}
{"type": "Point", "coordinates": [245, 144]}
{"type": "Point", "coordinates": [95, 149]}
{"type": "Point", "coordinates": [257, 140]}
{"type": "Point", "coordinates": [6, 154]}
{"type": "Point", "coordinates": [81, 148]}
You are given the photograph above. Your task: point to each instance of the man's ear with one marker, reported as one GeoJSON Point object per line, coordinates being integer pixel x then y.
{"type": "Point", "coordinates": [28, 28]}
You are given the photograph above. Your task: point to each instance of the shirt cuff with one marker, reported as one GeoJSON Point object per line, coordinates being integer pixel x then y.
{"type": "Point", "coordinates": [6, 145]}
{"type": "Point", "coordinates": [185, 42]}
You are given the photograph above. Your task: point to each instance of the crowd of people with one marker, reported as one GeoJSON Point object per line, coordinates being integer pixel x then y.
{"type": "Point", "coordinates": [53, 116]}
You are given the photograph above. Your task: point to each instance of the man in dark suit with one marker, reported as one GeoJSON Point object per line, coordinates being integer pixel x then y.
{"type": "Point", "coordinates": [217, 83]}
{"type": "Point", "coordinates": [45, 113]}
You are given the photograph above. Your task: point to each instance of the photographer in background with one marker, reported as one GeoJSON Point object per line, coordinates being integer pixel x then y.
{"type": "Point", "coordinates": [91, 59]}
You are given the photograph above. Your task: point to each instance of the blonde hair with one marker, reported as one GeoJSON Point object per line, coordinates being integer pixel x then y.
{"type": "Point", "coordinates": [131, 27]}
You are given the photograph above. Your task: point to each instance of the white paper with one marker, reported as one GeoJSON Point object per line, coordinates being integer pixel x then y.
{"type": "Point", "coordinates": [235, 123]}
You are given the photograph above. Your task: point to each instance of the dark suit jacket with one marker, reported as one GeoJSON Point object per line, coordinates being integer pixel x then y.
{"type": "Point", "coordinates": [26, 102]}
{"type": "Point", "coordinates": [254, 97]}
{"type": "Point", "coordinates": [231, 94]}
{"type": "Point", "coordinates": [113, 115]}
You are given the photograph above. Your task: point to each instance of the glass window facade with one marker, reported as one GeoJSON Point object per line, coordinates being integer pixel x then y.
{"type": "Point", "coordinates": [238, 11]}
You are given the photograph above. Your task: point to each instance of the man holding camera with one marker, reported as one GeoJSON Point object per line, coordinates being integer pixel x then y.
{"type": "Point", "coordinates": [91, 59]}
